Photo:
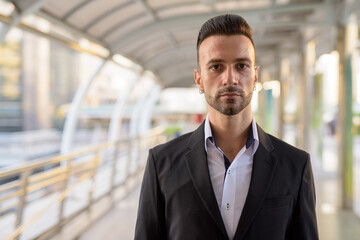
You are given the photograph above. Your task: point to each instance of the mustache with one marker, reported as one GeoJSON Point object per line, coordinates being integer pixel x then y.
{"type": "Point", "coordinates": [230, 89]}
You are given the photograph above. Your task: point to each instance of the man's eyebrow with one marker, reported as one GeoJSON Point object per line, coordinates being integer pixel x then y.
{"type": "Point", "coordinates": [215, 61]}
{"type": "Point", "coordinates": [245, 59]}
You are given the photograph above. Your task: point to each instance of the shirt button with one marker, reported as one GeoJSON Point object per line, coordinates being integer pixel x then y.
{"type": "Point", "coordinates": [227, 206]}
{"type": "Point", "coordinates": [229, 172]}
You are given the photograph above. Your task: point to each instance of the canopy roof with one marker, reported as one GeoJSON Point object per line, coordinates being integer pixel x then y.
{"type": "Point", "coordinates": [161, 35]}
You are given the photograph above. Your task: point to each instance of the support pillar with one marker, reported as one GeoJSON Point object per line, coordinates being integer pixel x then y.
{"type": "Point", "coordinates": [116, 117]}
{"type": "Point", "coordinates": [346, 40]}
{"type": "Point", "coordinates": [136, 114]}
{"type": "Point", "coordinates": [72, 115]}
{"type": "Point", "coordinates": [282, 71]}
{"type": "Point", "coordinates": [308, 63]}
{"type": "Point", "coordinates": [145, 122]}
{"type": "Point", "coordinates": [284, 76]}
{"type": "Point", "coordinates": [261, 99]}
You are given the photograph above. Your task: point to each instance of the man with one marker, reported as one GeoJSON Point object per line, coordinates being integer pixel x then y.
{"type": "Point", "coordinates": [228, 179]}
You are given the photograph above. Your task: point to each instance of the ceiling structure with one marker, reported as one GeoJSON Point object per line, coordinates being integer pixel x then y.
{"type": "Point", "coordinates": [160, 35]}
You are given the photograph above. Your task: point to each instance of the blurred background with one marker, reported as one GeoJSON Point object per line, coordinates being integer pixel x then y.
{"type": "Point", "coordinates": [88, 86]}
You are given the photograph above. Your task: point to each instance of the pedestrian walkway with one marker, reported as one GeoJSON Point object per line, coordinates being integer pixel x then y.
{"type": "Point", "coordinates": [333, 222]}
{"type": "Point", "coordinates": [119, 223]}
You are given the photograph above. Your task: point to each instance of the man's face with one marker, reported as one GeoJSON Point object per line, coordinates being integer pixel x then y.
{"type": "Point", "coordinates": [227, 72]}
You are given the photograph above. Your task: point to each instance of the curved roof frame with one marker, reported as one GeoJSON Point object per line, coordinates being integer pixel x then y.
{"type": "Point", "coordinates": [247, 14]}
{"type": "Point", "coordinates": [171, 29]}
{"type": "Point", "coordinates": [106, 14]}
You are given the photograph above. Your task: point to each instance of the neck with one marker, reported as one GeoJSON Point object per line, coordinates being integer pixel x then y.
{"type": "Point", "coordinates": [230, 132]}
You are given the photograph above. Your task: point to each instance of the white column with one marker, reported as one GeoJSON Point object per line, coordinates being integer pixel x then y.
{"type": "Point", "coordinates": [147, 109]}
{"type": "Point", "coordinates": [72, 115]}
{"type": "Point", "coordinates": [116, 116]}
{"type": "Point", "coordinates": [304, 103]}
{"type": "Point", "coordinates": [347, 42]}
{"type": "Point", "coordinates": [137, 114]}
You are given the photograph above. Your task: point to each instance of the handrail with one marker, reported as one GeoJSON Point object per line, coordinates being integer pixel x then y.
{"type": "Point", "coordinates": [62, 196]}
{"type": "Point", "coordinates": [48, 185]}
{"type": "Point", "coordinates": [13, 170]}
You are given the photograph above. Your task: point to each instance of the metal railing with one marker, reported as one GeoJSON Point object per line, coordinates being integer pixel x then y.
{"type": "Point", "coordinates": [39, 199]}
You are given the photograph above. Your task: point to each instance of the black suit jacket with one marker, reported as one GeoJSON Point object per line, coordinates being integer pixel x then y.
{"type": "Point", "coordinates": [177, 200]}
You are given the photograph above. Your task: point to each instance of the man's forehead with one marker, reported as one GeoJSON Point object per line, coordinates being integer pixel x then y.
{"type": "Point", "coordinates": [218, 44]}
{"type": "Point", "coordinates": [223, 36]}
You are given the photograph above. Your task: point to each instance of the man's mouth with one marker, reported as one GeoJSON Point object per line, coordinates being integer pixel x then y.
{"type": "Point", "coordinates": [229, 94]}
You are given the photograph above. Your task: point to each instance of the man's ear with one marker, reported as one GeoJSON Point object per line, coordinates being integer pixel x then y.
{"type": "Point", "coordinates": [257, 68]}
{"type": "Point", "coordinates": [197, 78]}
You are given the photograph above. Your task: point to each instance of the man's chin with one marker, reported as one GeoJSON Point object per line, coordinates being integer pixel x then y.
{"type": "Point", "coordinates": [230, 111]}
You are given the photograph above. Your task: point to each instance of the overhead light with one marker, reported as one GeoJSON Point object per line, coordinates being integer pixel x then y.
{"type": "Point", "coordinates": [123, 61]}
{"type": "Point", "coordinates": [84, 43]}
{"type": "Point", "coordinates": [87, 45]}
{"type": "Point", "coordinates": [6, 8]}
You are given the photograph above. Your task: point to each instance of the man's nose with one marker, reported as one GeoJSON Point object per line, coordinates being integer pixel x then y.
{"type": "Point", "coordinates": [230, 77]}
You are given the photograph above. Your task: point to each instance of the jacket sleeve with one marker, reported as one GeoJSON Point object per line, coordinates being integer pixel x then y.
{"type": "Point", "coordinates": [150, 222]}
{"type": "Point", "coordinates": [304, 224]}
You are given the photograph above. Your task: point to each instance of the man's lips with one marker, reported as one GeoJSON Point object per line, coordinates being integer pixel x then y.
{"type": "Point", "coordinates": [230, 94]}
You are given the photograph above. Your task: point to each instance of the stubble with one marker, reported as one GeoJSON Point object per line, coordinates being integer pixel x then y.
{"type": "Point", "coordinates": [231, 106]}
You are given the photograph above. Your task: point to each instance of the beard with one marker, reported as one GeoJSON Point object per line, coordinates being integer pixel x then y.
{"type": "Point", "coordinates": [230, 106]}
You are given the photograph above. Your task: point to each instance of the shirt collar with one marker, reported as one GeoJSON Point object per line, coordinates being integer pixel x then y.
{"type": "Point", "coordinates": [253, 137]}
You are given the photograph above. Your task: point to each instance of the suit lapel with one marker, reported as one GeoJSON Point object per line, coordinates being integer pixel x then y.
{"type": "Point", "coordinates": [264, 165]}
{"type": "Point", "coordinates": [199, 172]}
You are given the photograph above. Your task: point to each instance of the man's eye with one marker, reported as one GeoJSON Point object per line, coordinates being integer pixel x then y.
{"type": "Point", "coordinates": [242, 66]}
{"type": "Point", "coordinates": [215, 67]}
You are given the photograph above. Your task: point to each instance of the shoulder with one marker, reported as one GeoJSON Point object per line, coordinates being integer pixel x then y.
{"type": "Point", "coordinates": [284, 148]}
{"type": "Point", "coordinates": [181, 144]}
{"type": "Point", "coordinates": [178, 144]}
{"type": "Point", "coordinates": [171, 155]}
{"type": "Point", "coordinates": [292, 157]}
{"type": "Point", "coordinates": [291, 162]}
{"type": "Point", "coordinates": [279, 147]}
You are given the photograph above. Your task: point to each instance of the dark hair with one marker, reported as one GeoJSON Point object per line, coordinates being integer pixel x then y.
{"type": "Point", "coordinates": [228, 24]}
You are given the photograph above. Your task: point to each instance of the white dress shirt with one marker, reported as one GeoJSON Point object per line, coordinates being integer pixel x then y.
{"type": "Point", "coordinates": [231, 188]}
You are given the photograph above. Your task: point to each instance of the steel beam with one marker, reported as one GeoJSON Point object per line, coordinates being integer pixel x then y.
{"type": "Point", "coordinates": [120, 25]}
{"type": "Point", "coordinates": [76, 9]}
{"type": "Point", "coordinates": [148, 9]}
{"type": "Point", "coordinates": [29, 8]}
{"type": "Point", "coordinates": [198, 19]}
{"type": "Point", "coordinates": [70, 28]}
{"type": "Point", "coordinates": [105, 15]}
{"type": "Point", "coordinates": [162, 58]}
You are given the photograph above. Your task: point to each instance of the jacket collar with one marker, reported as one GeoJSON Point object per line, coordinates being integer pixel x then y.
{"type": "Point", "coordinates": [197, 165]}
{"type": "Point", "coordinates": [263, 170]}
{"type": "Point", "coordinates": [264, 166]}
